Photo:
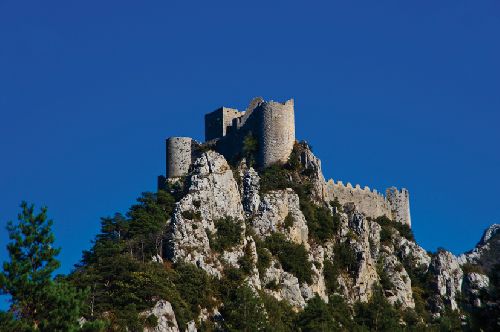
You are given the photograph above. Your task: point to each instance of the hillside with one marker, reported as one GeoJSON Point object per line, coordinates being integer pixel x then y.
{"type": "Point", "coordinates": [231, 248]}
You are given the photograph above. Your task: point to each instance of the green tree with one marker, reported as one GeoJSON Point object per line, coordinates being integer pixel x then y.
{"type": "Point", "coordinates": [37, 301]}
{"type": "Point", "coordinates": [243, 310]}
{"type": "Point", "coordinates": [317, 316]}
{"type": "Point", "coordinates": [378, 314]}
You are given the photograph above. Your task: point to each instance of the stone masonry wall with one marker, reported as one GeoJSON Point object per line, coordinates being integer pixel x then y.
{"type": "Point", "coordinates": [399, 203]}
{"type": "Point", "coordinates": [271, 123]}
{"type": "Point", "coordinates": [277, 132]}
{"type": "Point", "coordinates": [371, 203]}
{"type": "Point", "coordinates": [178, 156]}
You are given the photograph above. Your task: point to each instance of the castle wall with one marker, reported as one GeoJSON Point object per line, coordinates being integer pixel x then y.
{"type": "Point", "coordinates": [370, 203]}
{"type": "Point", "coordinates": [220, 121]}
{"type": "Point", "coordinates": [399, 203]}
{"type": "Point", "coordinates": [178, 156]}
{"type": "Point", "coordinates": [271, 123]}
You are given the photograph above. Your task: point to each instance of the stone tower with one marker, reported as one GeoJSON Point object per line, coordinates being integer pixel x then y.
{"type": "Point", "coordinates": [276, 132]}
{"type": "Point", "coordinates": [399, 203]}
{"type": "Point", "coordinates": [271, 123]}
{"type": "Point", "coordinates": [179, 156]}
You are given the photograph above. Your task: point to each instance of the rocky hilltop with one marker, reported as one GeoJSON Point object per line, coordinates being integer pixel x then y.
{"type": "Point", "coordinates": [275, 227]}
{"type": "Point", "coordinates": [245, 233]}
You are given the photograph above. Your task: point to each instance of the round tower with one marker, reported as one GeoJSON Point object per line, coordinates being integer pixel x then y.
{"type": "Point", "coordinates": [178, 156]}
{"type": "Point", "coordinates": [277, 132]}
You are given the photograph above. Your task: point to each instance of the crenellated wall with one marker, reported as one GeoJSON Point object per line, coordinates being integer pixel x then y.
{"type": "Point", "coordinates": [179, 156]}
{"type": "Point", "coordinates": [395, 204]}
{"type": "Point", "coordinates": [371, 203]}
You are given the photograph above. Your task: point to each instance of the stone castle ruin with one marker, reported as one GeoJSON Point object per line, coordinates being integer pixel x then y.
{"type": "Point", "coordinates": [272, 125]}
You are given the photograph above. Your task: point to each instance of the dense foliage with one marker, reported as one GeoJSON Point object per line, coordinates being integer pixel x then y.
{"type": "Point", "coordinates": [229, 233]}
{"type": "Point", "coordinates": [293, 257]}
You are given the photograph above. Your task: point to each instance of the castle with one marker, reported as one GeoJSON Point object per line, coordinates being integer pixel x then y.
{"type": "Point", "coordinates": [272, 125]}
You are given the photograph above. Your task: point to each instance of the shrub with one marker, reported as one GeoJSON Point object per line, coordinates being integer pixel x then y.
{"type": "Point", "coordinates": [245, 261]}
{"type": "Point", "coordinates": [191, 215]}
{"type": "Point", "coordinates": [385, 280]}
{"type": "Point", "coordinates": [320, 221]}
{"type": "Point", "coordinates": [331, 273]}
{"type": "Point", "coordinates": [288, 223]}
{"type": "Point", "coordinates": [229, 234]}
{"type": "Point", "coordinates": [403, 229]}
{"type": "Point", "coordinates": [263, 257]}
{"type": "Point", "coordinates": [293, 257]}
{"type": "Point", "coordinates": [345, 257]}
{"type": "Point", "coordinates": [472, 268]}
{"type": "Point", "coordinates": [274, 177]}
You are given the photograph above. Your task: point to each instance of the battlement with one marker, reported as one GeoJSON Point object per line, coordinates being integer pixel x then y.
{"type": "Point", "coordinates": [272, 125]}
{"type": "Point", "coordinates": [395, 204]}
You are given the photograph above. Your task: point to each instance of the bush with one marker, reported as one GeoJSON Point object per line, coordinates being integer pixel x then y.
{"type": "Point", "coordinates": [320, 221]}
{"type": "Point", "coordinates": [191, 215]}
{"type": "Point", "coordinates": [331, 273]}
{"type": "Point", "coordinates": [317, 316]}
{"type": "Point", "coordinates": [263, 257]}
{"type": "Point", "coordinates": [403, 229]}
{"type": "Point", "coordinates": [288, 223]}
{"type": "Point", "coordinates": [385, 280]}
{"type": "Point", "coordinates": [293, 257]}
{"type": "Point", "coordinates": [472, 268]}
{"type": "Point", "coordinates": [229, 233]}
{"type": "Point", "coordinates": [345, 257]}
{"type": "Point", "coordinates": [274, 177]}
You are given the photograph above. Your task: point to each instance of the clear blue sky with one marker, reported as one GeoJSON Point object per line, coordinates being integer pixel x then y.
{"type": "Point", "coordinates": [387, 92]}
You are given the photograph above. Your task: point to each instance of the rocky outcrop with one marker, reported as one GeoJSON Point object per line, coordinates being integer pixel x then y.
{"type": "Point", "coordinates": [251, 187]}
{"type": "Point", "coordinates": [279, 211]}
{"type": "Point", "coordinates": [447, 280]}
{"type": "Point", "coordinates": [215, 191]}
{"type": "Point", "coordinates": [486, 253]}
{"type": "Point", "coordinates": [400, 290]}
{"type": "Point", "coordinates": [474, 285]}
{"type": "Point", "coordinates": [212, 194]}
{"type": "Point", "coordinates": [283, 285]}
{"type": "Point", "coordinates": [165, 317]}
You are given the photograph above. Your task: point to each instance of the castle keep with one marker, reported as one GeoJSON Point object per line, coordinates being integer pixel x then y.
{"type": "Point", "coordinates": [272, 126]}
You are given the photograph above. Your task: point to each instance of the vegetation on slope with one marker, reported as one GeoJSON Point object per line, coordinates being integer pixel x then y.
{"type": "Point", "coordinates": [116, 279]}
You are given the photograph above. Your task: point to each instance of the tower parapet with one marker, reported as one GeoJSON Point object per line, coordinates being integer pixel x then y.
{"type": "Point", "coordinates": [179, 156]}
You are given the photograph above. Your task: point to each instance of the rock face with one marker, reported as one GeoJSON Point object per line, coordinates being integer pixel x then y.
{"type": "Point", "coordinates": [381, 256]}
{"type": "Point", "coordinates": [486, 253]}
{"type": "Point", "coordinates": [165, 316]}
{"type": "Point", "coordinates": [447, 281]}
{"type": "Point", "coordinates": [279, 211]}
{"type": "Point", "coordinates": [474, 284]}
{"type": "Point", "coordinates": [212, 194]}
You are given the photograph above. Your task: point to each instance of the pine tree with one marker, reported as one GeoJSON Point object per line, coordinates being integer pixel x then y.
{"type": "Point", "coordinates": [37, 301]}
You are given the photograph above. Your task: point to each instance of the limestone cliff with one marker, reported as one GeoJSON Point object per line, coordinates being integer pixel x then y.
{"type": "Point", "coordinates": [358, 255]}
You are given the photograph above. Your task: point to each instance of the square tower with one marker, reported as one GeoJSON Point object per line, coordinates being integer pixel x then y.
{"type": "Point", "coordinates": [219, 122]}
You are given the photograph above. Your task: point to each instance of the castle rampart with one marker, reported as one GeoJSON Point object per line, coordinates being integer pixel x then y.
{"type": "Point", "coordinates": [272, 124]}
{"type": "Point", "coordinates": [179, 156]}
{"type": "Point", "coordinates": [371, 203]}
